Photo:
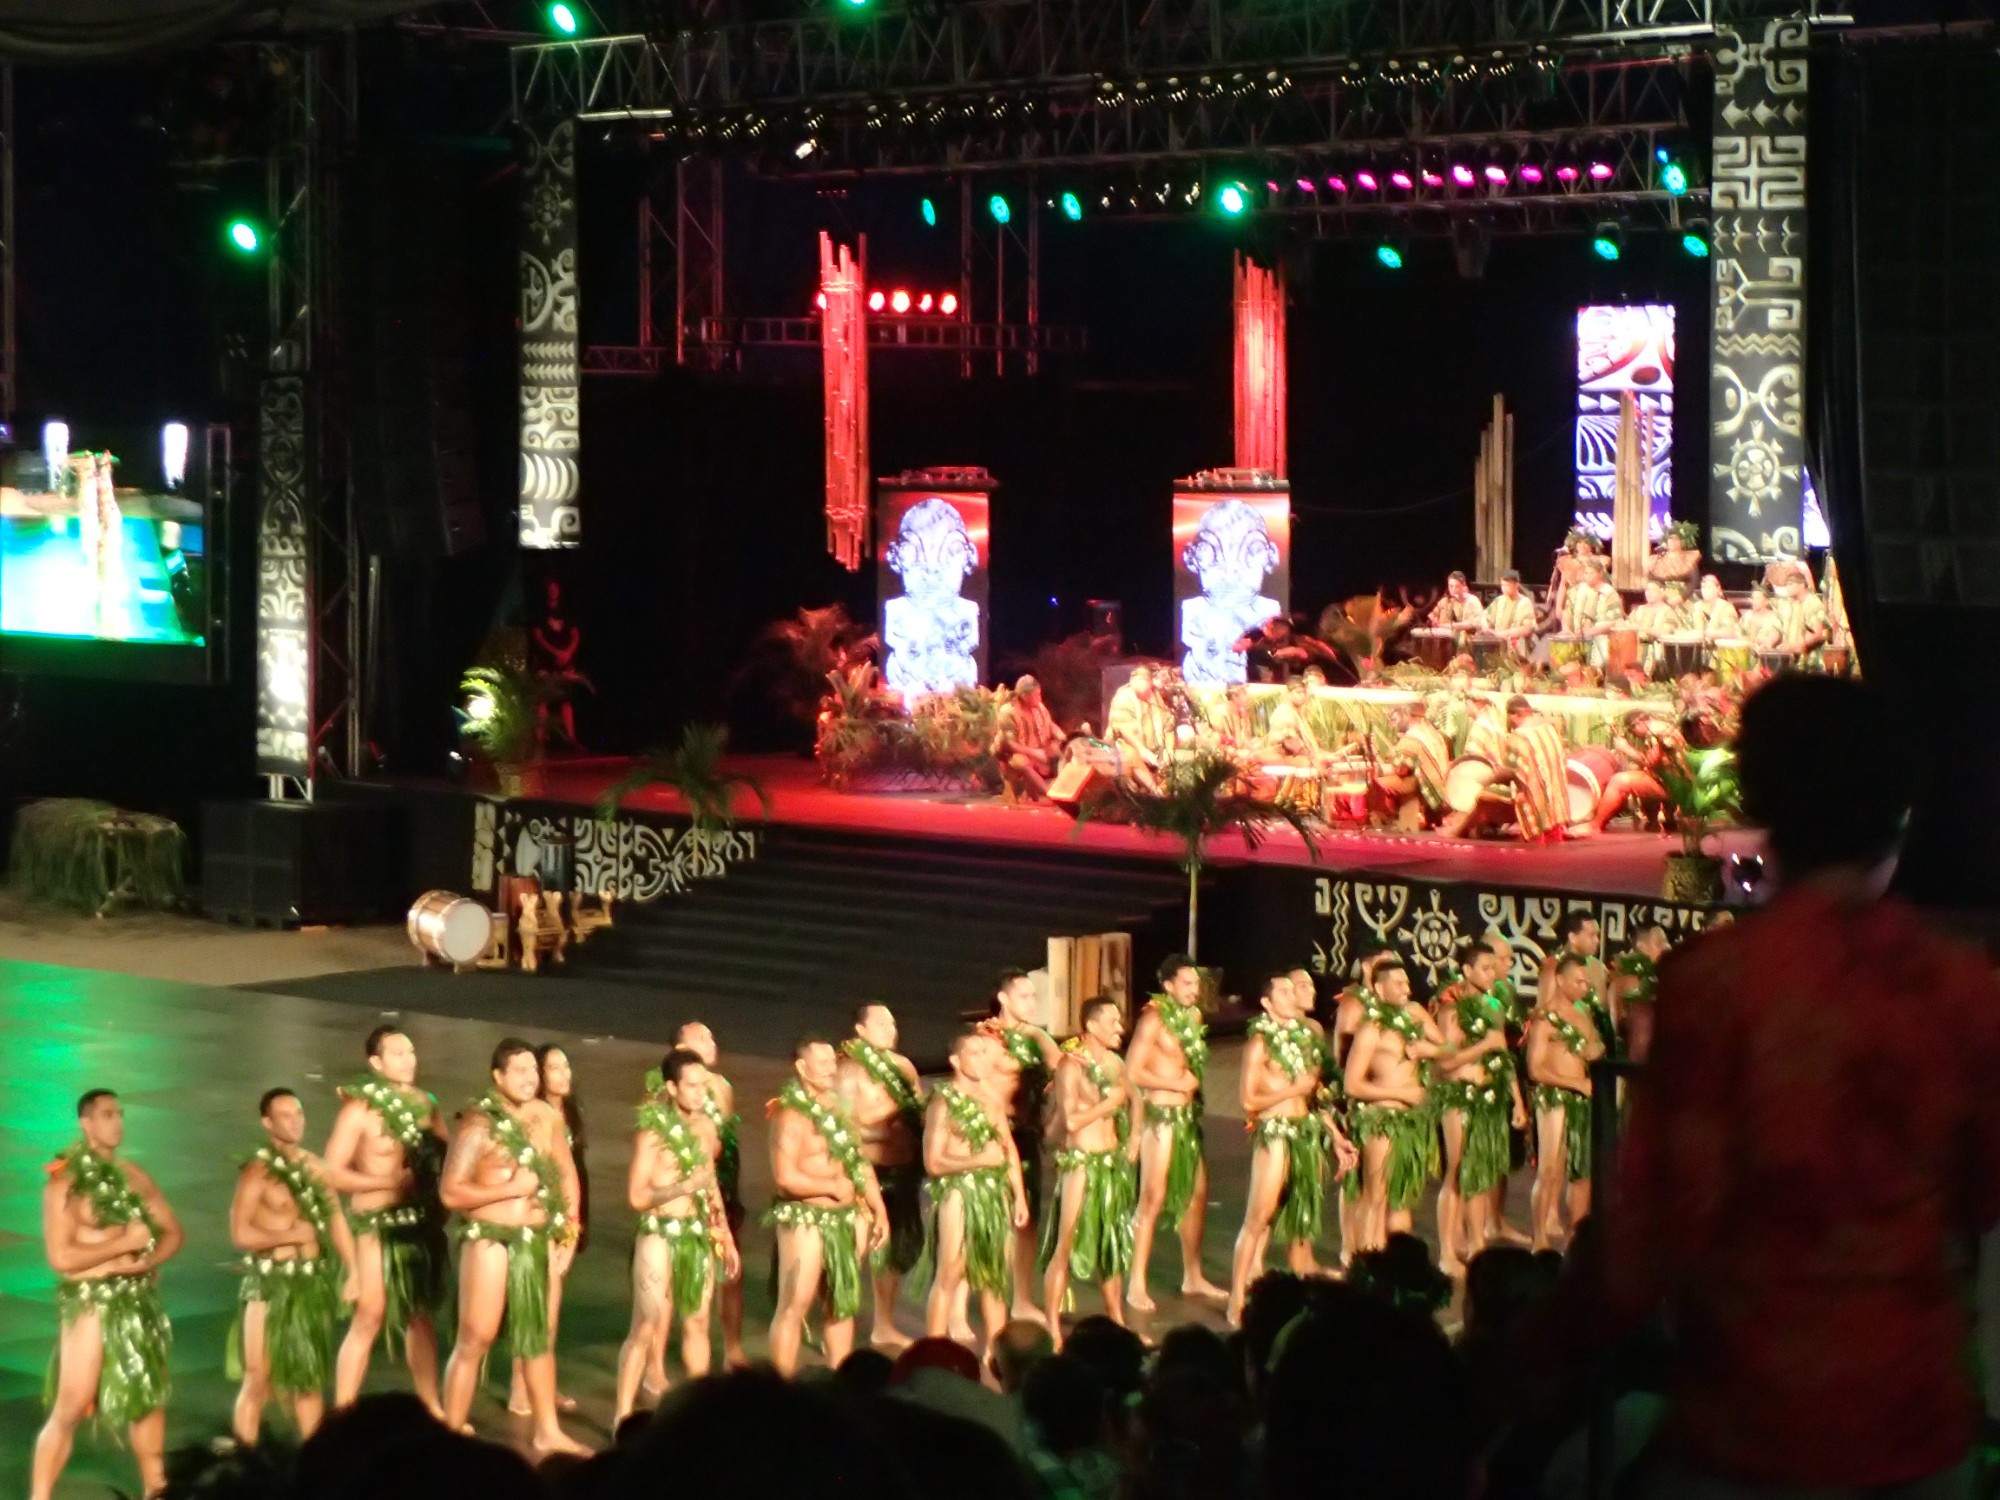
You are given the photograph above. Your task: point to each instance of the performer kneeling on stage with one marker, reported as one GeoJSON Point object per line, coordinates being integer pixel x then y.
{"type": "Point", "coordinates": [1417, 765]}
{"type": "Point", "coordinates": [1140, 729]}
{"type": "Point", "coordinates": [1640, 757]}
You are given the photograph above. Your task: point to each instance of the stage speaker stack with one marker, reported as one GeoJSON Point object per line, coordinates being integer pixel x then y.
{"type": "Point", "coordinates": [302, 864]}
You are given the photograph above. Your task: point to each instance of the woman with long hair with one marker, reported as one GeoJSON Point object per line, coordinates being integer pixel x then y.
{"type": "Point", "coordinates": [558, 1089]}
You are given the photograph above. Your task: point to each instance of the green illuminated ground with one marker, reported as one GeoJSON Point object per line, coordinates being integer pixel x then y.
{"type": "Point", "coordinates": [48, 584]}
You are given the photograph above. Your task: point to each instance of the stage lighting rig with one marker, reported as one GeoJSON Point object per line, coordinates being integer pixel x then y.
{"type": "Point", "coordinates": [1607, 241]}
{"type": "Point", "coordinates": [1694, 238]}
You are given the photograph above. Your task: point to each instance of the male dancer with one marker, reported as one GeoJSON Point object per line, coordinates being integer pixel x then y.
{"type": "Point", "coordinates": [879, 1089]}
{"type": "Point", "coordinates": [106, 1230]}
{"type": "Point", "coordinates": [721, 1107]}
{"type": "Point", "coordinates": [1282, 1067]}
{"type": "Point", "coordinates": [1578, 934]}
{"type": "Point", "coordinates": [979, 1203]}
{"type": "Point", "coordinates": [1350, 1009]}
{"type": "Point", "coordinates": [1479, 1095]}
{"type": "Point", "coordinates": [519, 1205]}
{"type": "Point", "coordinates": [1563, 1041]}
{"type": "Point", "coordinates": [1635, 974]}
{"type": "Point", "coordinates": [1390, 1110]}
{"type": "Point", "coordinates": [822, 1181]}
{"type": "Point", "coordinates": [1164, 1064]}
{"type": "Point", "coordinates": [1021, 1084]}
{"type": "Point", "coordinates": [298, 1272]}
{"type": "Point", "coordinates": [1097, 1186]}
{"type": "Point", "coordinates": [683, 1230]}
{"type": "Point", "coordinates": [385, 1153]}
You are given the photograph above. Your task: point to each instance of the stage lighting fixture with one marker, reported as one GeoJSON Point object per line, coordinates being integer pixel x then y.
{"type": "Point", "coordinates": [1307, 185]}
{"type": "Point", "coordinates": [1072, 207]}
{"type": "Point", "coordinates": [948, 303]}
{"type": "Point", "coordinates": [1233, 199]}
{"type": "Point", "coordinates": [805, 148]}
{"type": "Point", "coordinates": [899, 301]}
{"type": "Point", "coordinates": [1566, 173]}
{"type": "Point", "coordinates": [876, 301]}
{"type": "Point", "coordinates": [1694, 238]}
{"type": "Point", "coordinates": [563, 18]}
{"type": "Point", "coordinates": [243, 236]}
{"type": "Point", "coordinates": [174, 453]}
{"type": "Point", "coordinates": [819, 301]}
{"type": "Point", "coordinates": [1367, 180]}
{"type": "Point", "coordinates": [929, 210]}
{"type": "Point", "coordinates": [1431, 179]}
{"type": "Point", "coordinates": [1401, 180]}
{"type": "Point", "coordinates": [1674, 178]}
{"type": "Point", "coordinates": [1461, 174]}
{"type": "Point", "coordinates": [1338, 184]}
{"type": "Point", "coordinates": [1530, 172]}
{"type": "Point", "coordinates": [1389, 256]}
{"type": "Point", "coordinates": [1496, 174]}
{"type": "Point", "coordinates": [924, 302]}
{"type": "Point", "coordinates": [1600, 171]}
{"type": "Point", "coordinates": [997, 206]}
{"type": "Point", "coordinates": [55, 448]}
{"type": "Point", "coordinates": [1608, 241]}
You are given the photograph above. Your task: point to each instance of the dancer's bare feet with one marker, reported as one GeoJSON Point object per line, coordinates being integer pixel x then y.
{"type": "Point", "coordinates": [547, 1444]}
{"type": "Point", "coordinates": [1138, 1301]}
{"type": "Point", "coordinates": [888, 1340]}
{"type": "Point", "coordinates": [1198, 1285]}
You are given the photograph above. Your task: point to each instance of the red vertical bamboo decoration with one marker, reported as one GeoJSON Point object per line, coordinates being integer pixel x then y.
{"type": "Point", "coordinates": [1260, 368]}
{"type": "Point", "coordinates": [844, 346]}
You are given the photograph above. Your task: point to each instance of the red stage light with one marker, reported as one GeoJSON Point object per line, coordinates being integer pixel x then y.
{"type": "Point", "coordinates": [1530, 172]}
{"type": "Point", "coordinates": [1367, 180]}
{"type": "Point", "coordinates": [899, 301]}
{"type": "Point", "coordinates": [876, 301]}
{"type": "Point", "coordinates": [1401, 179]}
{"type": "Point", "coordinates": [948, 303]}
{"type": "Point", "coordinates": [820, 302]}
{"type": "Point", "coordinates": [1566, 174]}
{"type": "Point", "coordinates": [924, 302]}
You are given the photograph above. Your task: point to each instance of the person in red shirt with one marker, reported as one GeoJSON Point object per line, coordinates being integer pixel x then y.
{"type": "Point", "coordinates": [1814, 1147]}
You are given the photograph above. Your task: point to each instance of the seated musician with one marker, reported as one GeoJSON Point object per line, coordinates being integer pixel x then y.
{"type": "Point", "coordinates": [1417, 763]}
{"type": "Point", "coordinates": [1652, 619]}
{"type": "Point", "coordinates": [1592, 609]}
{"type": "Point", "coordinates": [1642, 746]}
{"type": "Point", "coordinates": [1459, 611]}
{"type": "Point", "coordinates": [1760, 623]}
{"type": "Point", "coordinates": [1140, 729]}
{"type": "Point", "coordinates": [1290, 738]}
{"type": "Point", "coordinates": [1802, 623]}
{"type": "Point", "coordinates": [1233, 723]}
{"type": "Point", "coordinates": [1027, 743]}
{"type": "Point", "coordinates": [1712, 614]}
{"type": "Point", "coordinates": [1511, 615]}
{"type": "Point", "coordinates": [1678, 619]}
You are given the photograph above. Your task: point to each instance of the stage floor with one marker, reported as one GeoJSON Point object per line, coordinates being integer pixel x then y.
{"type": "Point", "coordinates": [1620, 863]}
{"type": "Point", "coordinates": [65, 1030]}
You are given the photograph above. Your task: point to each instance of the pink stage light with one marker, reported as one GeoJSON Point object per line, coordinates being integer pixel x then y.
{"type": "Point", "coordinates": [1307, 185]}
{"type": "Point", "coordinates": [899, 301]}
{"type": "Point", "coordinates": [1600, 171]}
{"type": "Point", "coordinates": [1273, 187]}
{"type": "Point", "coordinates": [1431, 179]}
{"type": "Point", "coordinates": [1401, 180]}
{"type": "Point", "coordinates": [924, 302]}
{"type": "Point", "coordinates": [1496, 174]}
{"type": "Point", "coordinates": [1530, 172]}
{"type": "Point", "coordinates": [948, 303]}
{"type": "Point", "coordinates": [876, 301]}
{"type": "Point", "coordinates": [820, 302]}
{"type": "Point", "coordinates": [1367, 180]}
{"type": "Point", "coordinates": [1338, 184]}
{"type": "Point", "coordinates": [1462, 174]}
{"type": "Point", "coordinates": [1565, 174]}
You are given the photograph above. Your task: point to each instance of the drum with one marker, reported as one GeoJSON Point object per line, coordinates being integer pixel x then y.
{"type": "Point", "coordinates": [1833, 660]}
{"type": "Point", "coordinates": [1489, 654]}
{"type": "Point", "coordinates": [1733, 656]}
{"type": "Point", "coordinates": [1775, 662]}
{"type": "Point", "coordinates": [1590, 771]}
{"type": "Point", "coordinates": [1434, 646]}
{"type": "Point", "coordinates": [1680, 655]}
{"type": "Point", "coordinates": [1347, 802]}
{"type": "Point", "coordinates": [1621, 652]}
{"type": "Point", "coordinates": [451, 928]}
{"type": "Point", "coordinates": [1297, 787]}
{"type": "Point", "coordinates": [1567, 649]}
{"type": "Point", "coordinates": [1465, 782]}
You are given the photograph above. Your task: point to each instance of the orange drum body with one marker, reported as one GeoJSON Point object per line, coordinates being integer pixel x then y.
{"type": "Point", "coordinates": [1833, 660]}
{"type": "Point", "coordinates": [1621, 652]}
{"type": "Point", "coordinates": [1590, 772]}
{"type": "Point", "coordinates": [450, 928]}
{"type": "Point", "coordinates": [1465, 782]}
{"type": "Point", "coordinates": [1434, 646]}
{"type": "Point", "coordinates": [1347, 802]}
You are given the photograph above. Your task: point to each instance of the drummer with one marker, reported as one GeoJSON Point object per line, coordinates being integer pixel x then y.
{"type": "Point", "coordinates": [1802, 623]}
{"type": "Point", "coordinates": [1232, 722]}
{"type": "Point", "coordinates": [1140, 728]}
{"type": "Point", "coordinates": [1511, 616]}
{"type": "Point", "coordinates": [1760, 624]}
{"type": "Point", "coordinates": [1417, 764]}
{"type": "Point", "coordinates": [1712, 614]}
{"type": "Point", "coordinates": [1652, 740]}
{"type": "Point", "coordinates": [1290, 739]}
{"type": "Point", "coordinates": [1536, 764]}
{"type": "Point", "coordinates": [1459, 611]}
{"type": "Point", "coordinates": [1592, 609]}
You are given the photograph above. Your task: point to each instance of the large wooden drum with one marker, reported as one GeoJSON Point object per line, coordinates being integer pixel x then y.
{"type": "Point", "coordinates": [1466, 780]}
{"type": "Point", "coordinates": [1589, 772]}
{"type": "Point", "coordinates": [450, 928]}
{"type": "Point", "coordinates": [1434, 646]}
{"type": "Point", "coordinates": [1680, 655]}
{"type": "Point", "coordinates": [1621, 652]}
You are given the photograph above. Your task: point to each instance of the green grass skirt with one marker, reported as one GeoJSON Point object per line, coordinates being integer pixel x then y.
{"type": "Point", "coordinates": [138, 1341]}
{"type": "Point", "coordinates": [690, 1257]}
{"type": "Point", "coordinates": [302, 1311]}
{"type": "Point", "coordinates": [1413, 1147]}
{"type": "Point", "coordinates": [1184, 1154]}
{"type": "Point", "coordinates": [1575, 1109]}
{"type": "Point", "coordinates": [903, 1196]}
{"type": "Point", "coordinates": [1101, 1247]}
{"type": "Point", "coordinates": [526, 1328]}
{"type": "Point", "coordinates": [1487, 1155]}
{"type": "Point", "coordinates": [1303, 1202]}
{"type": "Point", "coordinates": [840, 1250]}
{"type": "Point", "coordinates": [1028, 1146]}
{"type": "Point", "coordinates": [416, 1266]}
{"type": "Point", "coordinates": [989, 1229]}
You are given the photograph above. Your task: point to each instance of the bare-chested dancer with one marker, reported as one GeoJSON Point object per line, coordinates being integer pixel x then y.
{"type": "Point", "coordinates": [979, 1203]}
{"type": "Point", "coordinates": [683, 1232]}
{"type": "Point", "coordinates": [1164, 1065]}
{"type": "Point", "coordinates": [1478, 1096]}
{"type": "Point", "coordinates": [1579, 935]}
{"type": "Point", "coordinates": [1021, 1083]}
{"type": "Point", "coordinates": [1350, 1008]}
{"type": "Point", "coordinates": [510, 1174]}
{"type": "Point", "coordinates": [823, 1184]}
{"type": "Point", "coordinates": [879, 1089]}
{"type": "Point", "coordinates": [698, 1039]}
{"type": "Point", "coordinates": [106, 1229]}
{"type": "Point", "coordinates": [298, 1273]}
{"type": "Point", "coordinates": [1389, 1109]}
{"type": "Point", "coordinates": [1563, 1042]}
{"type": "Point", "coordinates": [1634, 977]}
{"type": "Point", "coordinates": [385, 1153]}
{"type": "Point", "coordinates": [1089, 1237]}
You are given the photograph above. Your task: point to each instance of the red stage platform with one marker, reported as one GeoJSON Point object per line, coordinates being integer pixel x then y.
{"type": "Point", "coordinates": [1617, 864]}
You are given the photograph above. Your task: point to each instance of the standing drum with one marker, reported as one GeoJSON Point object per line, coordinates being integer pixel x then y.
{"type": "Point", "coordinates": [451, 928]}
{"type": "Point", "coordinates": [1489, 654]}
{"type": "Point", "coordinates": [1434, 646]}
{"type": "Point", "coordinates": [1680, 655]}
{"type": "Point", "coordinates": [1733, 656]}
{"type": "Point", "coordinates": [1465, 782]}
{"type": "Point", "coordinates": [1621, 652]}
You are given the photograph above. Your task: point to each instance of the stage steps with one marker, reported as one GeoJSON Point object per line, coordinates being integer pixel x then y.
{"type": "Point", "coordinates": [820, 920]}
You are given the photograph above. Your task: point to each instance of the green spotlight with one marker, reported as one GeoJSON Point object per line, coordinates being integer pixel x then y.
{"type": "Point", "coordinates": [563, 18]}
{"type": "Point", "coordinates": [1072, 207]}
{"type": "Point", "coordinates": [243, 236]}
{"type": "Point", "coordinates": [1674, 178]}
{"type": "Point", "coordinates": [1608, 241]}
{"type": "Point", "coordinates": [1390, 256]}
{"type": "Point", "coordinates": [1233, 199]}
{"type": "Point", "coordinates": [1694, 238]}
{"type": "Point", "coordinates": [997, 206]}
{"type": "Point", "coordinates": [930, 213]}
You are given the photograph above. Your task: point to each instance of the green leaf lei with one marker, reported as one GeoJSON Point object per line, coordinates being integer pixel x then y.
{"type": "Point", "coordinates": [1101, 1080]}
{"type": "Point", "coordinates": [968, 1117]}
{"type": "Point", "coordinates": [675, 1134]}
{"type": "Point", "coordinates": [1571, 1034]}
{"type": "Point", "coordinates": [400, 1117]}
{"type": "Point", "coordinates": [1635, 965]}
{"type": "Point", "coordinates": [1185, 1025]}
{"type": "Point", "coordinates": [510, 1137]}
{"type": "Point", "coordinates": [1392, 1018]}
{"type": "Point", "coordinates": [834, 1128]}
{"type": "Point", "coordinates": [1294, 1044]}
{"type": "Point", "coordinates": [1478, 1015]}
{"type": "Point", "coordinates": [881, 1067]}
{"type": "Point", "coordinates": [315, 1203]}
{"type": "Point", "coordinates": [100, 1181]}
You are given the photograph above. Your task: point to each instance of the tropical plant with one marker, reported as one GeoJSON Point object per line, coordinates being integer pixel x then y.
{"type": "Point", "coordinates": [503, 708]}
{"type": "Point", "coordinates": [1071, 672]}
{"type": "Point", "coordinates": [792, 658]}
{"type": "Point", "coordinates": [1202, 796]}
{"type": "Point", "coordinates": [695, 771]}
{"type": "Point", "coordinates": [1702, 790]}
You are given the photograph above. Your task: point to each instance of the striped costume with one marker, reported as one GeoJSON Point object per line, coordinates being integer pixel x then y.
{"type": "Point", "coordinates": [1424, 751]}
{"type": "Point", "coordinates": [1535, 753]}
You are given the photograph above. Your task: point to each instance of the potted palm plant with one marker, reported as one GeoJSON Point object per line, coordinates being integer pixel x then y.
{"type": "Point", "coordinates": [694, 771]}
{"type": "Point", "coordinates": [502, 715]}
{"type": "Point", "coordinates": [1702, 791]}
{"type": "Point", "coordinates": [1201, 796]}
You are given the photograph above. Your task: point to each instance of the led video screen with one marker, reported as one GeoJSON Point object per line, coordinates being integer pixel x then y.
{"type": "Point", "coordinates": [931, 578]}
{"type": "Point", "coordinates": [1621, 349]}
{"type": "Point", "coordinates": [1232, 572]}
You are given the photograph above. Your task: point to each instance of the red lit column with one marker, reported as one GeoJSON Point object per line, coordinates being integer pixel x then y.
{"type": "Point", "coordinates": [844, 346]}
{"type": "Point", "coordinates": [1260, 368]}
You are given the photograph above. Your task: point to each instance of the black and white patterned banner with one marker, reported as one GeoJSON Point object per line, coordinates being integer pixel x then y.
{"type": "Point", "coordinates": [1757, 205]}
{"type": "Point", "coordinates": [284, 598]}
{"type": "Point", "coordinates": [551, 378]}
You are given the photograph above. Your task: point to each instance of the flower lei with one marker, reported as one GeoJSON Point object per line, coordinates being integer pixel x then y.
{"type": "Point", "coordinates": [315, 1203]}
{"type": "Point", "coordinates": [1100, 1079]}
{"type": "Point", "coordinates": [1185, 1025]}
{"type": "Point", "coordinates": [1397, 1018]}
{"type": "Point", "coordinates": [968, 1117]}
{"type": "Point", "coordinates": [1635, 965]}
{"type": "Point", "coordinates": [1477, 1016]}
{"type": "Point", "coordinates": [100, 1181]}
{"type": "Point", "coordinates": [878, 1065]}
{"type": "Point", "coordinates": [1293, 1043]}
{"type": "Point", "coordinates": [675, 1135]}
{"type": "Point", "coordinates": [510, 1137]}
{"type": "Point", "coordinates": [833, 1128]}
{"type": "Point", "coordinates": [1571, 1034]}
{"type": "Point", "coordinates": [398, 1115]}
